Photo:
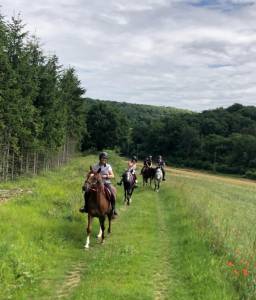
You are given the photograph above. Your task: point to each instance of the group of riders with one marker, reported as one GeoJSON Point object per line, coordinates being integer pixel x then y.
{"type": "Point", "coordinates": [107, 174]}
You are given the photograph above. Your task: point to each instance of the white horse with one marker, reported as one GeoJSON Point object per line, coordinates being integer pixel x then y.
{"type": "Point", "coordinates": [158, 177]}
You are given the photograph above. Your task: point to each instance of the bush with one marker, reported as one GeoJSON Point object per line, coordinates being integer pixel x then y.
{"type": "Point", "coordinates": [251, 174]}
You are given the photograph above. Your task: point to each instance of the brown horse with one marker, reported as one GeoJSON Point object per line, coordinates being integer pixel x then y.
{"type": "Point", "coordinates": [147, 174]}
{"type": "Point", "coordinates": [98, 206]}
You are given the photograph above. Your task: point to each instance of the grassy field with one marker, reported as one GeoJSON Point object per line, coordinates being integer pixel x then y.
{"type": "Point", "coordinates": [195, 239]}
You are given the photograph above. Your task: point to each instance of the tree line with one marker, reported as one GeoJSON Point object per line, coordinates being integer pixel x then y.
{"type": "Point", "coordinates": [220, 140]}
{"type": "Point", "coordinates": [42, 111]}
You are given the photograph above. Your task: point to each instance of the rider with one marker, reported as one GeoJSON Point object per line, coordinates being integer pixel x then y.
{"type": "Point", "coordinates": [107, 174]}
{"type": "Point", "coordinates": [131, 168]}
{"type": "Point", "coordinates": [161, 163]}
{"type": "Point", "coordinates": [148, 163]}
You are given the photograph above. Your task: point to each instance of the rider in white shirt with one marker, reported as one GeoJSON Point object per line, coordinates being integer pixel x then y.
{"type": "Point", "coordinates": [107, 174]}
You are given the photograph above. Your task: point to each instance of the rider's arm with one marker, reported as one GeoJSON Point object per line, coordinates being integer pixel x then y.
{"type": "Point", "coordinates": [110, 175]}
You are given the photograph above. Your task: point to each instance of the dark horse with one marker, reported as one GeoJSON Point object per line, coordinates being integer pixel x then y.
{"type": "Point", "coordinates": [128, 182]}
{"type": "Point", "coordinates": [99, 206]}
{"type": "Point", "coordinates": [147, 174]}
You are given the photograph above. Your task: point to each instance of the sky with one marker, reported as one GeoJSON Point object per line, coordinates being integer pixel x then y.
{"type": "Point", "coordinates": [191, 54]}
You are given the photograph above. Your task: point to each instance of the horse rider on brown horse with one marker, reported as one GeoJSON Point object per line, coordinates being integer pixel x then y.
{"type": "Point", "coordinates": [148, 163]}
{"type": "Point", "coordinates": [107, 174]}
{"type": "Point", "coordinates": [132, 165]}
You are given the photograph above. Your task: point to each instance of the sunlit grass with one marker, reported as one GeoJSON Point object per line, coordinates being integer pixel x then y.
{"type": "Point", "coordinates": [224, 215]}
{"type": "Point", "coordinates": [184, 243]}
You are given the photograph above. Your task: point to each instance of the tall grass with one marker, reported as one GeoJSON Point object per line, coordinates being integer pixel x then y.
{"type": "Point", "coordinates": [224, 215]}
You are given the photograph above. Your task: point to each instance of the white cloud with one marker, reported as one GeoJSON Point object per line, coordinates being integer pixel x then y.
{"type": "Point", "coordinates": [186, 53]}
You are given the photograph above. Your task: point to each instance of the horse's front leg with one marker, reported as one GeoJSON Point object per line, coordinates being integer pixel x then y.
{"type": "Point", "coordinates": [125, 195]}
{"type": "Point", "coordinates": [102, 226]}
{"type": "Point", "coordinates": [89, 230]}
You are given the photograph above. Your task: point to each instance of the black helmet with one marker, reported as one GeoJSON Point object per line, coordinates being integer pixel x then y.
{"type": "Point", "coordinates": [134, 157]}
{"type": "Point", "coordinates": [103, 155]}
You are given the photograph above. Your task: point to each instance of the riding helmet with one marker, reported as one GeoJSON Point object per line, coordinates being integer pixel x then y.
{"type": "Point", "coordinates": [134, 157]}
{"type": "Point", "coordinates": [103, 155]}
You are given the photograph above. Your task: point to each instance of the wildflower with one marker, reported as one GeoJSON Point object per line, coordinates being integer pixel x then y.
{"type": "Point", "coordinates": [230, 264]}
{"type": "Point", "coordinates": [245, 272]}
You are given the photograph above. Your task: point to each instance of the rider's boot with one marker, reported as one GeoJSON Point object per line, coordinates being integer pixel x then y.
{"type": "Point", "coordinates": [83, 209]}
{"type": "Point", "coordinates": [114, 212]}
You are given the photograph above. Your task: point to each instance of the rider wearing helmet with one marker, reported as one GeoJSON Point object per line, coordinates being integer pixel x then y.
{"type": "Point", "coordinates": [147, 163]}
{"type": "Point", "coordinates": [107, 174]}
{"type": "Point", "coordinates": [131, 168]}
{"type": "Point", "coordinates": [160, 163]}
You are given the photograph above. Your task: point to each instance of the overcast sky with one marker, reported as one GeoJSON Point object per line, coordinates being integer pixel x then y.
{"type": "Point", "coordinates": [193, 54]}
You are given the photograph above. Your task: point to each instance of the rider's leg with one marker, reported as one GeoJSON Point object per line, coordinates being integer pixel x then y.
{"type": "Point", "coordinates": [135, 180]}
{"type": "Point", "coordinates": [163, 170]}
{"type": "Point", "coordinates": [84, 209]}
{"type": "Point", "coordinates": [113, 198]}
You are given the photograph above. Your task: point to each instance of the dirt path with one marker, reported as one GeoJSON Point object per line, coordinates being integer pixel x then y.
{"type": "Point", "coordinates": [71, 281]}
{"type": "Point", "coordinates": [162, 277]}
{"type": "Point", "coordinates": [7, 194]}
{"type": "Point", "coordinates": [199, 175]}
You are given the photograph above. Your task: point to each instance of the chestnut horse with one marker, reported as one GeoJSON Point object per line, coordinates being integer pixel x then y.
{"type": "Point", "coordinates": [99, 206]}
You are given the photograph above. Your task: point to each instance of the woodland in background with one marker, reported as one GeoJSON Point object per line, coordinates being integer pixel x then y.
{"type": "Point", "coordinates": [41, 106]}
{"type": "Point", "coordinates": [220, 140]}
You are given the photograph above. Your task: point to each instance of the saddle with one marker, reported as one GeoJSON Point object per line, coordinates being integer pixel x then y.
{"type": "Point", "coordinates": [107, 191]}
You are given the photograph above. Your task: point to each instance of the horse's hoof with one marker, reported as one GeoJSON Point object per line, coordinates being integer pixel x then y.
{"type": "Point", "coordinates": [86, 247]}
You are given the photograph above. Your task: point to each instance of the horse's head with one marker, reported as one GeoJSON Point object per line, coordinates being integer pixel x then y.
{"type": "Point", "coordinates": [128, 176]}
{"type": "Point", "coordinates": [95, 179]}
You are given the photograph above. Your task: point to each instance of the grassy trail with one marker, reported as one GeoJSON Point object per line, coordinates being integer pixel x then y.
{"type": "Point", "coordinates": [154, 252]}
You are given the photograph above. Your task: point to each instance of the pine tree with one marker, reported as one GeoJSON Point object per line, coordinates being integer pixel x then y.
{"type": "Point", "coordinates": [71, 96]}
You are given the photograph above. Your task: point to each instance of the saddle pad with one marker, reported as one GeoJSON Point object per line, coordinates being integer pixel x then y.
{"type": "Point", "coordinates": [108, 193]}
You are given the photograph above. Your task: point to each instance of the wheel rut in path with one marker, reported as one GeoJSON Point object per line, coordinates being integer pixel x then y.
{"type": "Point", "coordinates": [71, 281]}
{"type": "Point", "coordinates": [161, 276]}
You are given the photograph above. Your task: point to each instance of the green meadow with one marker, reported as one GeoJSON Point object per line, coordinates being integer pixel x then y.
{"type": "Point", "coordinates": [195, 239]}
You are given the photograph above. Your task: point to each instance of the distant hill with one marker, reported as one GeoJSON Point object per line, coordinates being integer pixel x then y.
{"type": "Point", "coordinates": [137, 113]}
